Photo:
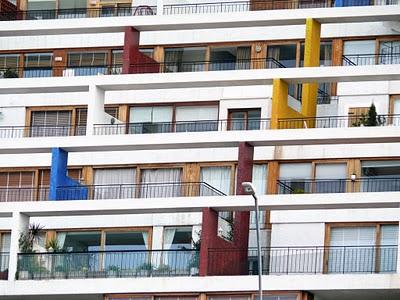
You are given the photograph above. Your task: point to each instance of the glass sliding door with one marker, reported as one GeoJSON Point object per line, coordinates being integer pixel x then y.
{"type": "Point", "coordinates": [87, 63]}
{"type": "Point", "coordinates": [244, 119]}
{"type": "Point", "coordinates": [229, 58]}
{"type": "Point", "coordinates": [190, 59]}
{"type": "Point", "coordinates": [69, 9]}
{"type": "Point", "coordinates": [294, 178]}
{"type": "Point", "coordinates": [359, 52]}
{"type": "Point", "coordinates": [161, 183]}
{"type": "Point", "coordinates": [114, 183]}
{"type": "Point", "coordinates": [41, 9]}
{"type": "Point", "coordinates": [150, 119]}
{"type": "Point", "coordinates": [330, 178]}
{"type": "Point", "coordinates": [260, 175]}
{"type": "Point", "coordinates": [380, 176]}
{"type": "Point", "coordinates": [196, 118]}
{"type": "Point", "coordinates": [9, 65]}
{"type": "Point", "coordinates": [38, 65]}
{"type": "Point", "coordinates": [176, 240]}
{"type": "Point", "coordinates": [50, 123]}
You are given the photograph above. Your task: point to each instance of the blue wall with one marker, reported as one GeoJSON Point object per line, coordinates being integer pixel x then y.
{"type": "Point", "coordinates": [63, 187]}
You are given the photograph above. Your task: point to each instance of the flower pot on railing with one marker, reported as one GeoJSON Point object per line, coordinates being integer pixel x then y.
{"type": "Point", "coordinates": [23, 275]}
{"type": "Point", "coordinates": [113, 271]}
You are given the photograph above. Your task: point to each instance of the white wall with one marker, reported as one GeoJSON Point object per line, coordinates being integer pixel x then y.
{"type": "Point", "coordinates": [297, 234]}
{"type": "Point", "coordinates": [12, 116]}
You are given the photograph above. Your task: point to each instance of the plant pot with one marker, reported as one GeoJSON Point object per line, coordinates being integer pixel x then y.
{"type": "Point", "coordinates": [194, 271]}
{"type": "Point", "coordinates": [60, 275]}
{"type": "Point", "coordinates": [23, 275]}
{"type": "Point", "coordinates": [112, 273]}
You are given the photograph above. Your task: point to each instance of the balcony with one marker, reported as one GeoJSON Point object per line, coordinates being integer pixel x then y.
{"type": "Point", "coordinates": [141, 68]}
{"type": "Point", "coordinates": [306, 260]}
{"type": "Point", "coordinates": [371, 59]}
{"type": "Point", "coordinates": [108, 264]}
{"type": "Point", "coordinates": [182, 126]}
{"type": "Point", "coordinates": [112, 191]}
{"type": "Point", "coordinates": [187, 8]}
{"type": "Point", "coordinates": [365, 184]}
{"type": "Point", "coordinates": [10, 132]}
{"type": "Point", "coordinates": [338, 121]}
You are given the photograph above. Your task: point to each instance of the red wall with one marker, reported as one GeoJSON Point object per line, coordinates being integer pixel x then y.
{"type": "Point", "coordinates": [218, 256]}
{"type": "Point", "coordinates": [133, 60]}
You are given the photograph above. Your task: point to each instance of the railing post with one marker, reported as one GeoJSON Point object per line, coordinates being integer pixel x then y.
{"type": "Point", "coordinates": [160, 7]}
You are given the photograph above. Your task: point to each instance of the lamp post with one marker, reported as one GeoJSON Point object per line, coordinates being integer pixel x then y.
{"type": "Point", "coordinates": [250, 190]}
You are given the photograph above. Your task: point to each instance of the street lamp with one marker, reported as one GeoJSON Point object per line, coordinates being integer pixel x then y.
{"type": "Point", "coordinates": [250, 190]}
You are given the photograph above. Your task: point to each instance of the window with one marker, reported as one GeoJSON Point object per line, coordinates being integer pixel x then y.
{"type": "Point", "coordinates": [277, 297]}
{"type": "Point", "coordinates": [380, 176]}
{"type": "Point", "coordinates": [41, 9]}
{"type": "Point", "coordinates": [354, 249]}
{"type": "Point", "coordinates": [111, 8]}
{"type": "Point", "coordinates": [38, 65]}
{"type": "Point", "coordinates": [330, 178]}
{"type": "Point", "coordinates": [5, 241]}
{"type": "Point", "coordinates": [79, 241]}
{"type": "Point", "coordinates": [196, 118]}
{"type": "Point", "coordinates": [9, 62]}
{"type": "Point", "coordinates": [16, 186]}
{"type": "Point", "coordinates": [114, 183]}
{"type": "Point", "coordinates": [178, 238]}
{"type": "Point", "coordinates": [161, 183]}
{"type": "Point", "coordinates": [87, 63]}
{"type": "Point", "coordinates": [217, 177]}
{"type": "Point", "coordinates": [184, 59]}
{"type": "Point", "coordinates": [359, 52]}
{"type": "Point", "coordinates": [230, 58]}
{"type": "Point", "coordinates": [71, 9]}
{"type": "Point", "coordinates": [81, 118]}
{"type": "Point", "coordinates": [230, 297]}
{"type": "Point", "coordinates": [44, 181]}
{"type": "Point", "coordinates": [285, 54]}
{"type": "Point", "coordinates": [260, 174]}
{"type": "Point", "coordinates": [294, 178]}
{"type": "Point", "coordinates": [117, 62]}
{"type": "Point", "coordinates": [389, 52]}
{"type": "Point", "coordinates": [248, 119]}
{"type": "Point", "coordinates": [147, 51]}
{"type": "Point", "coordinates": [150, 119]}
{"type": "Point", "coordinates": [50, 123]}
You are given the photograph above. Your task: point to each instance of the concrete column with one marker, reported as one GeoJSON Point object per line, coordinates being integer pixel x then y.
{"type": "Point", "coordinates": [160, 7]}
{"type": "Point", "coordinates": [279, 101]}
{"type": "Point", "coordinates": [311, 59]}
{"type": "Point", "coordinates": [20, 223]}
{"type": "Point", "coordinates": [95, 114]}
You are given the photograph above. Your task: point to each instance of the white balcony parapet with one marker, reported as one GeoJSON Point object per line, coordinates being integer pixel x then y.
{"type": "Point", "coordinates": [206, 21]}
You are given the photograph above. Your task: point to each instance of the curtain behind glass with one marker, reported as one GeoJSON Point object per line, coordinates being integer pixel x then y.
{"type": "Point", "coordinates": [196, 118]}
{"type": "Point", "coordinates": [161, 183]}
{"type": "Point", "coordinates": [217, 177]}
{"type": "Point", "coordinates": [330, 178]}
{"type": "Point", "coordinates": [388, 248]}
{"type": "Point", "coordinates": [114, 183]}
{"type": "Point", "coordinates": [243, 56]}
{"type": "Point", "coordinates": [173, 59]}
{"type": "Point", "coordinates": [259, 181]}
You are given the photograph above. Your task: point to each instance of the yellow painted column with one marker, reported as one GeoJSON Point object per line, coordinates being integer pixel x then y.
{"type": "Point", "coordinates": [279, 101]}
{"type": "Point", "coordinates": [311, 59]}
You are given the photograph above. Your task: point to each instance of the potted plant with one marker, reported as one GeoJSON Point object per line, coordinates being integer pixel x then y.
{"type": "Point", "coordinates": [60, 272]}
{"type": "Point", "coordinates": [27, 265]}
{"type": "Point", "coordinates": [369, 119]}
{"type": "Point", "coordinates": [9, 73]}
{"type": "Point", "coordinates": [113, 271]}
{"type": "Point", "coordinates": [162, 270]}
{"type": "Point", "coordinates": [52, 245]}
{"type": "Point", "coordinates": [144, 270]}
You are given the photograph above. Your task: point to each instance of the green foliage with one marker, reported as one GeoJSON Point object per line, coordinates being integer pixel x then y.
{"type": "Point", "coordinates": [60, 268]}
{"type": "Point", "coordinates": [53, 244]}
{"type": "Point", "coordinates": [113, 268]}
{"type": "Point", "coordinates": [369, 119]}
{"type": "Point", "coordinates": [10, 74]}
{"type": "Point", "coordinates": [28, 238]}
{"type": "Point", "coordinates": [298, 191]}
{"type": "Point", "coordinates": [145, 266]}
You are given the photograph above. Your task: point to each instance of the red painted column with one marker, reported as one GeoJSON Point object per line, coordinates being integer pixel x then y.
{"type": "Point", "coordinates": [133, 60]}
{"type": "Point", "coordinates": [218, 256]}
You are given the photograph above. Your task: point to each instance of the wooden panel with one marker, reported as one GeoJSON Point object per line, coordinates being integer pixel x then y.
{"type": "Point", "coordinates": [273, 175]}
{"type": "Point", "coordinates": [258, 55]}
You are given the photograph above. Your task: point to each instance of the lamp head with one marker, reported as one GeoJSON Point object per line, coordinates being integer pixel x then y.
{"type": "Point", "coordinates": [248, 188]}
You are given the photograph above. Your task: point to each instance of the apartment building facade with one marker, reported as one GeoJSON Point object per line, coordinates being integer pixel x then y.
{"type": "Point", "coordinates": [129, 126]}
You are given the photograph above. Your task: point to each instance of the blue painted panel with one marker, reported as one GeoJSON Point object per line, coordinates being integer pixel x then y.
{"type": "Point", "coordinates": [63, 187]}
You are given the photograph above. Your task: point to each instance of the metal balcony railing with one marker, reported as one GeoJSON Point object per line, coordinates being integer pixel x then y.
{"type": "Point", "coordinates": [78, 13]}
{"type": "Point", "coordinates": [304, 260]}
{"type": "Point", "coordinates": [108, 264]}
{"type": "Point", "coordinates": [339, 121]}
{"type": "Point", "coordinates": [364, 184]}
{"type": "Point", "coordinates": [371, 59]}
{"type": "Point", "coordinates": [4, 262]}
{"type": "Point", "coordinates": [182, 126]}
{"type": "Point", "coordinates": [60, 71]}
{"type": "Point", "coordinates": [8, 132]}
{"type": "Point", "coordinates": [173, 9]}
{"type": "Point", "coordinates": [111, 191]}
